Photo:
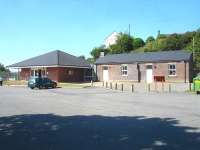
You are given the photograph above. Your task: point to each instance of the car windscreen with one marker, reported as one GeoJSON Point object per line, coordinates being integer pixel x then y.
{"type": "Point", "coordinates": [46, 80]}
{"type": "Point", "coordinates": [32, 80]}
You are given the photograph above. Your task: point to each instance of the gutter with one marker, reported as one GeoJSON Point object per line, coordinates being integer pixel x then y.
{"type": "Point", "coordinates": [131, 62]}
{"type": "Point", "coordinates": [19, 67]}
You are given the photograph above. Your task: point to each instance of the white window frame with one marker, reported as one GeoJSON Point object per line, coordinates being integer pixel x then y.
{"type": "Point", "coordinates": [171, 75]}
{"type": "Point", "coordinates": [124, 70]}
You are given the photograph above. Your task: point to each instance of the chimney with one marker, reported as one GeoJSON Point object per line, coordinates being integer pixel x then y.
{"type": "Point", "coordinates": [158, 33]}
{"type": "Point", "coordinates": [102, 54]}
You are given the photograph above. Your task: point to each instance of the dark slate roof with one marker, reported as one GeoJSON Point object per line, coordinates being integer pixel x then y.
{"type": "Point", "coordinates": [166, 56]}
{"type": "Point", "coordinates": [54, 58]}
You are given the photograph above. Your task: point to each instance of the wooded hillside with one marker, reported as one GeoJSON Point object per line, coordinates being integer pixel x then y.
{"type": "Point", "coordinates": [189, 41]}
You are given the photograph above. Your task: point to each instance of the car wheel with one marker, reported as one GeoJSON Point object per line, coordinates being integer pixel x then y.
{"type": "Point", "coordinates": [39, 87]}
{"type": "Point", "coordinates": [32, 88]}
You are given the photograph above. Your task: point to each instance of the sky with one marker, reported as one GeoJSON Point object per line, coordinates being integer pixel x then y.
{"type": "Point", "coordinates": [32, 27]}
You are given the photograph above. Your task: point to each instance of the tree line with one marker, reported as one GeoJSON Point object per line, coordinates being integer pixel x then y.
{"type": "Point", "coordinates": [125, 43]}
{"type": "Point", "coordinates": [3, 71]}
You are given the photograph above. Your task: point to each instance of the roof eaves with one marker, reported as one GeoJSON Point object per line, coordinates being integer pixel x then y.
{"type": "Point", "coordinates": [142, 61]}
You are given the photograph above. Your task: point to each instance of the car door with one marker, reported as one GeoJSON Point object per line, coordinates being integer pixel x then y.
{"type": "Point", "coordinates": [48, 82]}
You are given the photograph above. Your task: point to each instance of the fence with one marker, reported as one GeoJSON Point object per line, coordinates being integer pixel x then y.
{"type": "Point", "coordinates": [153, 87]}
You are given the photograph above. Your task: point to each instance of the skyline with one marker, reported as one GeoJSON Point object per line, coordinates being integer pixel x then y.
{"type": "Point", "coordinates": [30, 28]}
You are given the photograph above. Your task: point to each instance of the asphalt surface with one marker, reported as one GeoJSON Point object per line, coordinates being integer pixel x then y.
{"type": "Point", "coordinates": [96, 118]}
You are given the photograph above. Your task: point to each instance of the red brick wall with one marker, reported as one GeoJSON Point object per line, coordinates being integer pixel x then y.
{"type": "Point", "coordinates": [70, 74]}
{"type": "Point", "coordinates": [52, 73]}
{"type": "Point", "coordinates": [25, 73]}
{"type": "Point", "coordinates": [61, 74]}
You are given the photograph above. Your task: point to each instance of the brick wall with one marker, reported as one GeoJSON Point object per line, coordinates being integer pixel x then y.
{"type": "Point", "coordinates": [115, 72]}
{"type": "Point", "coordinates": [25, 73]}
{"type": "Point", "coordinates": [52, 73]}
{"type": "Point", "coordinates": [63, 74]}
{"type": "Point", "coordinates": [183, 72]}
{"type": "Point", "coordinates": [70, 74]}
{"type": "Point", "coordinates": [60, 74]}
{"type": "Point", "coordinates": [99, 72]}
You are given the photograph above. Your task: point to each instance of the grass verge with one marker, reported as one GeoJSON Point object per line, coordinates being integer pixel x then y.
{"type": "Point", "coordinates": [15, 82]}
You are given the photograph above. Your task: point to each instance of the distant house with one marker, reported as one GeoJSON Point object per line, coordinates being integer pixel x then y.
{"type": "Point", "coordinates": [56, 65]}
{"type": "Point", "coordinates": [111, 39]}
{"type": "Point", "coordinates": [168, 66]}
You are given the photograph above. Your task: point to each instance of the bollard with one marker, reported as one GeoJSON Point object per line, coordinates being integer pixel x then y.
{"type": "Point", "coordinates": [190, 86]}
{"type": "Point", "coordinates": [170, 88]}
{"type": "Point", "coordinates": [110, 85]}
{"type": "Point", "coordinates": [115, 86]}
{"type": "Point", "coordinates": [122, 87]}
{"type": "Point", "coordinates": [106, 84]}
{"type": "Point", "coordinates": [91, 83]}
{"type": "Point", "coordinates": [162, 87]}
{"type": "Point", "coordinates": [103, 84]}
{"type": "Point", "coordinates": [132, 88]}
{"type": "Point", "coordinates": [156, 88]}
{"type": "Point", "coordinates": [149, 87]}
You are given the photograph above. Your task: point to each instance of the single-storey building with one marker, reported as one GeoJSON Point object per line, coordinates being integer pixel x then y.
{"type": "Point", "coordinates": [56, 65]}
{"type": "Point", "coordinates": [167, 66]}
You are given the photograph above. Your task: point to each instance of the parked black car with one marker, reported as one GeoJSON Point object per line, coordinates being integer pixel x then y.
{"type": "Point", "coordinates": [40, 82]}
{"type": "Point", "coordinates": [1, 81]}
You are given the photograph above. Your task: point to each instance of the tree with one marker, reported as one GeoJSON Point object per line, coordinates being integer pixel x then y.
{"type": "Point", "coordinates": [138, 42]}
{"type": "Point", "coordinates": [90, 60]}
{"type": "Point", "coordinates": [123, 44]}
{"type": "Point", "coordinates": [3, 71]}
{"type": "Point", "coordinates": [164, 42]}
{"type": "Point", "coordinates": [116, 49]}
{"type": "Point", "coordinates": [150, 39]}
{"type": "Point", "coordinates": [97, 50]}
{"type": "Point", "coordinates": [194, 46]}
{"type": "Point", "coordinates": [2, 68]}
{"type": "Point", "coordinates": [82, 57]}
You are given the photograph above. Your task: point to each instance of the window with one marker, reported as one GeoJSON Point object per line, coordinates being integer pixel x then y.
{"type": "Point", "coordinates": [105, 67]}
{"type": "Point", "coordinates": [124, 70]}
{"type": "Point", "coordinates": [172, 69]}
{"type": "Point", "coordinates": [70, 72]}
{"type": "Point", "coordinates": [148, 66]}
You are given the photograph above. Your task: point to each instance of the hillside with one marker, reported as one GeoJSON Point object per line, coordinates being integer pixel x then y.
{"type": "Point", "coordinates": [189, 41]}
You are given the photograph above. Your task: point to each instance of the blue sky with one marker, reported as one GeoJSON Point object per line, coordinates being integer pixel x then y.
{"type": "Point", "coordinates": [32, 27]}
